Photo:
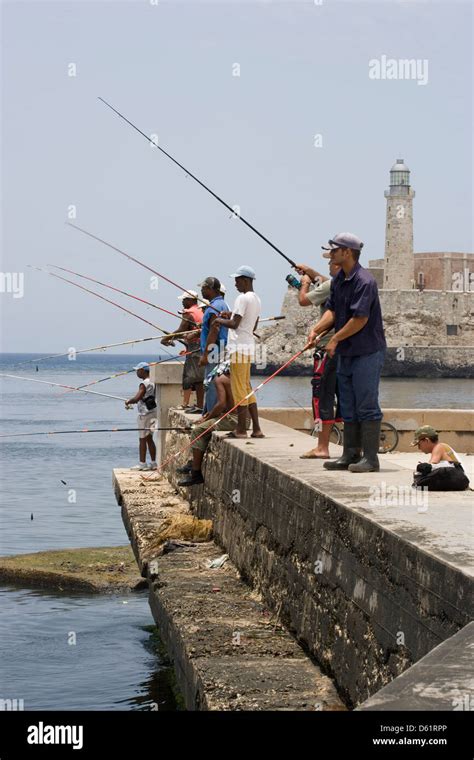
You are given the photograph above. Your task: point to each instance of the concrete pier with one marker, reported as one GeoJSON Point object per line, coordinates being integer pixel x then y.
{"type": "Point", "coordinates": [365, 575]}
{"type": "Point", "coordinates": [442, 680]}
{"type": "Point", "coordinates": [228, 650]}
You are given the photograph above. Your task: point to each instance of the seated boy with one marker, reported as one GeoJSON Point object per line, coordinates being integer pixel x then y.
{"type": "Point", "coordinates": [426, 438]}
{"type": "Point", "coordinates": [204, 428]}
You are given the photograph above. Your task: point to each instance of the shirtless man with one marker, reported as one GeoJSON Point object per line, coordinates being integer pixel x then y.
{"type": "Point", "coordinates": [206, 426]}
{"type": "Point", "coordinates": [426, 438]}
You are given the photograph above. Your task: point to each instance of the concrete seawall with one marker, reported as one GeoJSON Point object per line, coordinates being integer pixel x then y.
{"type": "Point", "coordinates": [367, 589]}
{"type": "Point", "coordinates": [229, 652]}
{"type": "Point", "coordinates": [455, 426]}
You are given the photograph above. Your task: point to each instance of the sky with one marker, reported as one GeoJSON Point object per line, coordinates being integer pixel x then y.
{"type": "Point", "coordinates": [269, 103]}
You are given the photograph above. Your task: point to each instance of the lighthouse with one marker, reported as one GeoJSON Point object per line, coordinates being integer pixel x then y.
{"type": "Point", "coordinates": [399, 260]}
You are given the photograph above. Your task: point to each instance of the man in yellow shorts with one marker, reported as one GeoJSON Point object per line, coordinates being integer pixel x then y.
{"type": "Point", "coordinates": [241, 349]}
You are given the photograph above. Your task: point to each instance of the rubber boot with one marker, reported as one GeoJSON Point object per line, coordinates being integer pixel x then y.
{"type": "Point", "coordinates": [370, 434]}
{"type": "Point", "coordinates": [351, 451]}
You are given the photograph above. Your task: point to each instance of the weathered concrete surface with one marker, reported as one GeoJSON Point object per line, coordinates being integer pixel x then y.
{"type": "Point", "coordinates": [153, 514]}
{"type": "Point", "coordinates": [93, 569]}
{"type": "Point", "coordinates": [369, 587]}
{"type": "Point", "coordinates": [442, 680]}
{"type": "Point", "coordinates": [228, 652]}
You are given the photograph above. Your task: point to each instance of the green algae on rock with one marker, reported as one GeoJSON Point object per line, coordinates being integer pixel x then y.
{"type": "Point", "coordinates": [92, 569]}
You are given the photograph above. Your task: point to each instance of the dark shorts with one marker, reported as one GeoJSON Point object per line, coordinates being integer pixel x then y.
{"type": "Point", "coordinates": [324, 384]}
{"type": "Point", "coordinates": [193, 374]}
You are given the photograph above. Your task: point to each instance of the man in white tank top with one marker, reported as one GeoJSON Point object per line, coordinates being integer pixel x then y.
{"type": "Point", "coordinates": [146, 422]}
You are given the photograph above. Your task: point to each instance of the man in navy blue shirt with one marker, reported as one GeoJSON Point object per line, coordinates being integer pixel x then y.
{"type": "Point", "coordinates": [353, 308]}
{"type": "Point", "coordinates": [213, 340]}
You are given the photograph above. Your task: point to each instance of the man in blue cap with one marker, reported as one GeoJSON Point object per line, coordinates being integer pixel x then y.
{"type": "Point", "coordinates": [241, 348]}
{"type": "Point", "coordinates": [146, 423]}
{"type": "Point", "coordinates": [353, 308]}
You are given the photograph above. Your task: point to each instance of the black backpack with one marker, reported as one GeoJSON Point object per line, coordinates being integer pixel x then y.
{"type": "Point", "coordinates": [440, 478]}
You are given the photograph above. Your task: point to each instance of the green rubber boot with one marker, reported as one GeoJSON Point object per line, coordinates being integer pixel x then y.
{"type": "Point", "coordinates": [351, 453]}
{"type": "Point", "coordinates": [370, 434]}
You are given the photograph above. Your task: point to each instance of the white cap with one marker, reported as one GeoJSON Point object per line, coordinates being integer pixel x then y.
{"type": "Point", "coordinates": [222, 288]}
{"type": "Point", "coordinates": [188, 294]}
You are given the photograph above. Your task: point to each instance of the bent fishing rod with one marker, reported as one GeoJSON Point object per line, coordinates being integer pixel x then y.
{"type": "Point", "coordinates": [85, 350]}
{"type": "Point", "coordinates": [196, 179]}
{"type": "Point", "coordinates": [145, 266]}
{"type": "Point", "coordinates": [94, 430]}
{"type": "Point", "coordinates": [141, 264]}
{"type": "Point", "coordinates": [60, 385]}
{"type": "Point", "coordinates": [102, 348]}
{"type": "Point", "coordinates": [245, 398]}
{"type": "Point", "coordinates": [103, 298]}
{"type": "Point", "coordinates": [128, 371]}
{"type": "Point", "coordinates": [117, 290]}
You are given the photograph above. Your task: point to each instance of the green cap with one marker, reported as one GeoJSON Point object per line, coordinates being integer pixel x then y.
{"type": "Point", "coordinates": [425, 431]}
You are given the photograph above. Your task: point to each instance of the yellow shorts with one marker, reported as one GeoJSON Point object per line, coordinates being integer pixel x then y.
{"type": "Point", "coordinates": [240, 378]}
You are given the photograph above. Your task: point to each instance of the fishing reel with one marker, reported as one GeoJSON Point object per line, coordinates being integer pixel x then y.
{"type": "Point", "coordinates": [293, 281]}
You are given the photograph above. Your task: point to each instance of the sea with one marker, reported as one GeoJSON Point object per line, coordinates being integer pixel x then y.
{"type": "Point", "coordinates": [116, 662]}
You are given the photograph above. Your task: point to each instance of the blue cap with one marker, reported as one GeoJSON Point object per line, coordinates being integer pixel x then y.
{"type": "Point", "coordinates": [244, 271]}
{"type": "Point", "coordinates": [142, 365]}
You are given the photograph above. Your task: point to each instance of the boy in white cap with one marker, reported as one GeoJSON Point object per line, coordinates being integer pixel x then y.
{"type": "Point", "coordinates": [146, 404]}
{"type": "Point", "coordinates": [241, 348]}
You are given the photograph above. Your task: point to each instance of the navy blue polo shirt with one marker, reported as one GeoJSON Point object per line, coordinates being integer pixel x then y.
{"type": "Point", "coordinates": [218, 304]}
{"type": "Point", "coordinates": [357, 296]}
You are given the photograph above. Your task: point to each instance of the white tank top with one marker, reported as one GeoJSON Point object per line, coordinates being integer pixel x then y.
{"type": "Point", "coordinates": [149, 391]}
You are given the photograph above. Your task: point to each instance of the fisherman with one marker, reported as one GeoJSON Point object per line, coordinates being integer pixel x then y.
{"type": "Point", "coordinates": [193, 374]}
{"type": "Point", "coordinates": [146, 404]}
{"type": "Point", "coordinates": [213, 338]}
{"type": "Point", "coordinates": [354, 310]}
{"type": "Point", "coordinates": [241, 348]}
{"type": "Point", "coordinates": [224, 402]}
{"type": "Point", "coordinates": [442, 457]}
{"type": "Point", "coordinates": [324, 367]}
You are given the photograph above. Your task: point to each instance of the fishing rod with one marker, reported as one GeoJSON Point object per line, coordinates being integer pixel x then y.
{"type": "Point", "coordinates": [193, 176]}
{"type": "Point", "coordinates": [94, 348]}
{"type": "Point", "coordinates": [103, 298]}
{"type": "Point", "coordinates": [117, 290]}
{"type": "Point", "coordinates": [86, 430]}
{"type": "Point", "coordinates": [245, 398]}
{"type": "Point", "coordinates": [128, 371]}
{"type": "Point", "coordinates": [141, 263]}
{"type": "Point", "coordinates": [60, 385]}
{"type": "Point", "coordinates": [309, 345]}
{"type": "Point", "coordinates": [271, 319]}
